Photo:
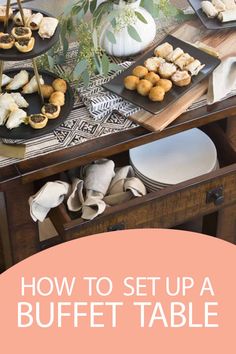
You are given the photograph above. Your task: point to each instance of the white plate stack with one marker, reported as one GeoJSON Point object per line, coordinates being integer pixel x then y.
{"type": "Point", "coordinates": [174, 159]}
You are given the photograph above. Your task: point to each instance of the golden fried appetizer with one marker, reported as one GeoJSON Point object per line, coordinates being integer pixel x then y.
{"type": "Point", "coordinates": [163, 50]}
{"type": "Point", "coordinates": [166, 70]}
{"type": "Point", "coordinates": [57, 98]}
{"type": "Point", "coordinates": [47, 90]}
{"type": "Point", "coordinates": [38, 121]}
{"type": "Point", "coordinates": [175, 55]}
{"type": "Point", "coordinates": [184, 60]}
{"type": "Point", "coordinates": [25, 45]}
{"type": "Point", "coordinates": [51, 111]}
{"type": "Point", "coordinates": [181, 78]}
{"type": "Point", "coordinates": [21, 33]}
{"type": "Point", "coordinates": [140, 71]}
{"type": "Point", "coordinates": [59, 85]}
{"type": "Point", "coordinates": [152, 64]}
{"type": "Point", "coordinates": [144, 87]}
{"type": "Point", "coordinates": [165, 84]}
{"type": "Point", "coordinates": [7, 41]}
{"type": "Point", "coordinates": [157, 94]}
{"type": "Point", "coordinates": [152, 77]}
{"type": "Point", "coordinates": [131, 82]}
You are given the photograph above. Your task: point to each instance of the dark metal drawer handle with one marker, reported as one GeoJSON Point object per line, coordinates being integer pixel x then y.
{"type": "Point", "coordinates": [216, 196]}
{"type": "Point", "coordinates": [117, 227]}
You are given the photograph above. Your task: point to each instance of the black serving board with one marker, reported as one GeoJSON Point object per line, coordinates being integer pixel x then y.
{"type": "Point", "coordinates": [116, 85]}
{"type": "Point", "coordinates": [35, 105]}
{"type": "Point", "coordinates": [41, 45]}
{"type": "Point", "coordinates": [210, 23]}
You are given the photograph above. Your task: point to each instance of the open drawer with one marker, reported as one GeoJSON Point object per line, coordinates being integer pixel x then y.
{"type": "Point", "coordinates": [166, 208]}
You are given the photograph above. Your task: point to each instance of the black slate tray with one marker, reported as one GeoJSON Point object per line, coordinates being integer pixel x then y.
{"type": "Point", "coordinates": [210, 23]}
{"type": "Point", "coordinates": [41, 45]}
{"type": "Point", "coordinates": [116, 85]}
{"type": "Point", "coordinates": [35, 105]}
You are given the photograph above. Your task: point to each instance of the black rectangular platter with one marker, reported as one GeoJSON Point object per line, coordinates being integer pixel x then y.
{"type": "Point", "coordinates": [210, 23]}
{"type": "Point", "coordinates": [116, 85]}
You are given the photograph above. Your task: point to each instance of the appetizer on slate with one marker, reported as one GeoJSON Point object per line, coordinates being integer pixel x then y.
{"type": "Point", "coordinates": [48, 27]}
{"type": "Point", "coordinates": [19, 80]}
{"type": "Point", "coordinates": [59, 85]}
{"type": "Point", "coordinates": [16, 118]}
{"type": "Point", "coordinates": [4, 113]}
{"type": "Point", "coordinates": [157, 94]}
{"type": "Point", "coordinates": [6, 80]}
{"type": "Point", "coordinates": [181, 78]}
{"type": "Point", "coordinates": [165, 84]}
{"type": "Point", "coordinates": [140, 71]}
{"type": "Point", "coordinates": [32, 86]}
{"type": "Point", "coordinates": [144, 87]}
{"type": "Point", "coordinates": [7, 102]}
{"type": "Point", "coordinates": [47, 90]}
{"type": "Point", "coordinates": [152, 64]}
{"type": "Point", "coordinates": [7, 41]}
{"type": "Point", "coordinates": [166, 70]}
{"type": "Point", "coordinates": [57, 98]}
{"type": "Point", "coordinates": [25, 45]}
{"type": "Point", "coordinates": [163, 50]}
{"type": "Point", "coordinates": [19, 100]}
{"type": "Point", "coordinates": [224, 10]}
{"type": "Point", "coordinates": [18, 19]}
{"type": "Point", "coordinates": [38, 121]}
{"type": "Point", "coordinates": [35, 21]}
{"type": "Point", "coordinates": [21, 33]}
{"type": "Point", "coordinates": [152, 77]}
{"type": "Point", "coordinates": [51, 111]}
{"type": "Point", "coordinates": [131, 82]}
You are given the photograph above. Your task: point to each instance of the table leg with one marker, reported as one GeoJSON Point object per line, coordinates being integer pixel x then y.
{"type": "Point", "coordinates": [227, 217]}
{"type": "Point", "coordinates": [19, 234]}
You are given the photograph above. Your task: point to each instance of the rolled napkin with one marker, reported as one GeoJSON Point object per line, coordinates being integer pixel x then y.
{"type": "Point", "coordinates": [222, 82]}
{"type": "Point", "coordinates": [124, 187]}
{"type": "Point", "coordinates": [76, 199]}
{"type": "Point", "coordinates": [49, 196]}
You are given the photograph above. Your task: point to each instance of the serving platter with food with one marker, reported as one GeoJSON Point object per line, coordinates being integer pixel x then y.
{"type": "Point", "coordinates": [21, 41]}
{"type": "Point", "coordinates": [22, 113]}
{"type": "Point", "coordinates": [215, 14]}
{"type": "Point", "coordinates": [163, 75]}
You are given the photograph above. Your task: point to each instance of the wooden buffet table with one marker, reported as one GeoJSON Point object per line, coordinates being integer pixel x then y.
{"type": "Point", "coordinates": [211, 196]}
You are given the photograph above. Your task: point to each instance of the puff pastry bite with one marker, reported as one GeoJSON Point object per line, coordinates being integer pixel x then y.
{"type": "Point", "coordinates": [21, 33]}
{"type": "Point", "coordinates": [140, 71]}
{"type": "Point", "coordinates": [6, 80]}
{"type": "Point", "coordinates": [60, 85]}
{"type": "Point", "coordinates": [51, 111]}
{"type": "Point", "coordinates": [157, 94]}
{"type": "Point", "coordinates": [3, 13]}
{"type": "Point", "coordinates": [32, 86]}
{"type": "Point", "coordinates": [47, 90]}
{"type": "Point", "coordinates": [48, 27]}
{"type": "Point", "coordinates": [7, 102]}
{"type": "Point", "coordinates": [131, 82]}
{"type": "Point", "coordinates": [152, 77]}
{"type": "Point", "coordinates": [16, 118]}
{"type": "Point", "coordinates": [18, 81]}
{"type": "Point", "coordinates": [175, 55]}
{"type": "Point", "coordinates": [18, 19]}
{"type": "Point", "coordinates": [57, 98]}
{"type": "Point", "coordinates": [7, 41]}
{"type": "Point", "coordinates": [4, 113]}
{"type": "Point", "coordinates": [209, 9]}
{"type": "Point", "coordinates": [19, 100]}
{"type": "Point", "coordinates": [219, 5]}
{"type": "Point", "coordinates": [195, 67]}
{"type": "Point", "coordinates": [34, 21]}
{"type": "Point", "coordinates": [184, 60]}
{"type": "Point", "coordinates": [38, 121]}
{"type": "Point", "coordinates": [144, 87]}
{"type": "Point", "coordinates": [165, 84]}
{"type": "Point", "coordinates": [181, 78]}
{"type": "Point", "coordinates": [163, 50]}
{"type": "Point", "coordinates": [25, 45]}
{"type": "Point", "coordinates": [166, 70]}
{"type": "Point", "coordinates": [152, 64]}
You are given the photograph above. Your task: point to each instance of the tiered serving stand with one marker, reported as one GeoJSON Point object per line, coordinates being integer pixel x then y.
{"type": "Point", "coordinates": [35, 101]}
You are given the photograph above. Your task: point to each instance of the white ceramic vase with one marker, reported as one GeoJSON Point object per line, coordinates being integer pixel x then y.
{"type": "Point", "coordinates": [125, 45]}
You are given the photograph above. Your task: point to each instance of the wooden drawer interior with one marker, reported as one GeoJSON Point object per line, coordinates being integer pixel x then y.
{"type": "Point", "coordinates": [166, 208]}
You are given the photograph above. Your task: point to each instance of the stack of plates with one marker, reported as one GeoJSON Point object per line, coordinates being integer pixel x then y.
{"type": "Point", "coordinates": [174, 159]}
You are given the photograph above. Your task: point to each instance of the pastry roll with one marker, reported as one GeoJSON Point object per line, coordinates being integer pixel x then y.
{"type": "Point", "coordinates": [18, 20]}
{"type": "Point", "coordinates": [195, 67]}
{"type": "Point", "coordinates": [4, 113]}
{"type": "Point", "coordinates": [209, 9]}
{"type": "Point", "coordinates": [152, 64]}
{"type": "Point", "coordinates": [35, 21]}
{"type": "Point", "coordinates": [57, 98]}
{"type": "Point", "coordinates": [175, 55]}
{"type": "Point", "coordinates": [6, 41]}
{"type": "Point", "coordinates": [229, 4]}
{"type": "Point", "coordinates": [18, 81]}
{"type": "Point", "coordinates": [219, 5]}
{"type": "Point", "coordinates": [25, 45]}
{"type": "Point", "coordinates": [181, 78]}
{"type": "Point", "coordinates": [16, 118]}
{"type": "Point", "coordinates": [6, 80]}
{"type": "Point", "coordinates": [19, 100]}
{"type": "Point", "coordinates": [38, 121]}
{"type": "Point", "coordinates": [21, 33]}
{"type": "Point", "coordinates": [32, 86]}
{"type": "Point", "coordinates": [184, 60]}
{"type": "Point", "coordinates": [166, 70]}
{"type": "Point", "coordinates": [7, 102]}
{"type": "Point", "coordinates": [227, 16]}
{"type": "Point", "coordinates": [3, 13]}
{"type": "Point", "coordinates": [48, 27]}
{"type": "Point", "coordinates": [163, 50]}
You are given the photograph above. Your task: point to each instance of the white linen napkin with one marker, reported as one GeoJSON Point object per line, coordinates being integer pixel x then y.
{"type": "Point", "coordinates": [49, 196]}
{"type": "Point", "coordinates": [222, 83]}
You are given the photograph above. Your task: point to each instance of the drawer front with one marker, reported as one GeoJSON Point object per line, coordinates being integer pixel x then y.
{"type": "Point", "coordinates": [163, 209]}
